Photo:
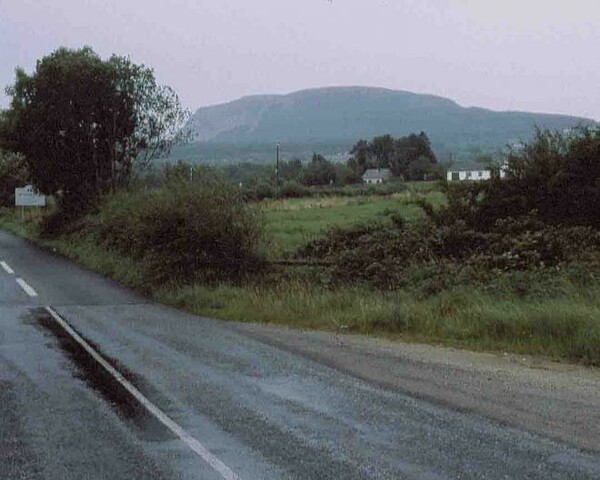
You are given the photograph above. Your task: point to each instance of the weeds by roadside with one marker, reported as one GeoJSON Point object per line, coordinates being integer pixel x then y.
{"type": "Point", "coordinates": [564, 327]}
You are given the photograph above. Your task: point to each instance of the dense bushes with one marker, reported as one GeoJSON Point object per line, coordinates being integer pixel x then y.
{"type": "Point", "coordinates": [180, 233]}
{"type": "Point", "coordinates": [556, 176]}
{"type": "Point", "coordinates": [291, 189]}
{"type": "Point", "coordinates": [397, 255]}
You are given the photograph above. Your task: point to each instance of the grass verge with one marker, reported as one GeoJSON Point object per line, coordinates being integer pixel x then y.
{"type": "Point", "coordinates": [563, 328]}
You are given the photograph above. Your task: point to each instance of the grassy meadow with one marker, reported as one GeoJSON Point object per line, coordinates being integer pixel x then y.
{"type": "Point", "coordinates": [291, 223]}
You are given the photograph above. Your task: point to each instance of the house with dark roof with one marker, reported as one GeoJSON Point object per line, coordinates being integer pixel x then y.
{"type": "Point", "coordinates": [376, 175]}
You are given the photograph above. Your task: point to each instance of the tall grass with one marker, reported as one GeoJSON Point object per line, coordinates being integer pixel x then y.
{"type": "Point", "coordinates": [563, 328]}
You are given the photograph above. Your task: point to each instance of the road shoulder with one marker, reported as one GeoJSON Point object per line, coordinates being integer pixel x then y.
{"type": "Point", "coordinates": [558, 400]}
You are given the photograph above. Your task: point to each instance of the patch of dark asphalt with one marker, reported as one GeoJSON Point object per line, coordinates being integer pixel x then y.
{"type": "Point", "coordinates": [87, 369]}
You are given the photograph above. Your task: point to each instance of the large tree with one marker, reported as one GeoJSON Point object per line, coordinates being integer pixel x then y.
{"type": "Point", "coordinates": [410, 157]}
{"type": "Point", "coordinates": [83, 123]}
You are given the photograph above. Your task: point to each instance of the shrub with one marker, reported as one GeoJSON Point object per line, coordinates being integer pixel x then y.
{"type": "Point", "coordinates": [544, 215]}
{"type": "Point", "coordinates": [433, 257]}
{"type": "Point", "coordinates": [262, 191]}
{"type": "Point", "coordinates": [200, 232]}
{"type": "Point", "coordinates": [556, 176]}
{"type": "Point", "coordinates": [293, 190]}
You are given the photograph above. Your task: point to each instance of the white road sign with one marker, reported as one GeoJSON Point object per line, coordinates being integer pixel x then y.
{"type": "Point", "coordinates": [26, 197]}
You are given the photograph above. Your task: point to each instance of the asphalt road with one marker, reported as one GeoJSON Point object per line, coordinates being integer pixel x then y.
{"type": "Point", "coordinates": [255, 402]}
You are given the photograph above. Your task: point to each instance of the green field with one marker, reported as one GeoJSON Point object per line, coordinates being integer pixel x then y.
{"type": "Point", "coordinates": [291, 223]}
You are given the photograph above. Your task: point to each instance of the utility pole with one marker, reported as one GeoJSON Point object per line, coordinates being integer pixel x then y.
{"type": "Point", "coordinates": [277, 166]}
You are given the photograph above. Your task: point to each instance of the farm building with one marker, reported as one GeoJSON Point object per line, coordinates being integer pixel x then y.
{"type": "Point", "coordinates": [376, 175]}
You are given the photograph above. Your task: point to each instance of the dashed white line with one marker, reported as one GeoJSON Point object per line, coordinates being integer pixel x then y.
{"type": "Point", "coordinates": [6, 267]}
{"type": "Point", "coordinates": [190, 441]}
{"type": "Point", "coordinates": [25, 286]}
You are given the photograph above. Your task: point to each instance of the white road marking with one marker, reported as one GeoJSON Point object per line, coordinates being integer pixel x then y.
{"type": "Point", "coordinates": [190, 441]}
{"type": "Point", "coordinates": [6, 267]}
{"type": "Point", "coordinates": [28, 290]}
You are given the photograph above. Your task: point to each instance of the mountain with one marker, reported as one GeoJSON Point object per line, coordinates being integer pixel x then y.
{"type": "Point", "coordinates": [343, 115]}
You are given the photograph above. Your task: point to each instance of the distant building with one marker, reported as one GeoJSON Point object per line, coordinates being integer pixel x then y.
{"type": "Point", "coordinates": [459, 175]}
{"type": "Point", "coordinates": [472, 173]}
{"type": "Point", "coordinates": [376, 175]}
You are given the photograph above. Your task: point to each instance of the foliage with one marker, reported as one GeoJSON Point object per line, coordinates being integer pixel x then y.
{"type": "Point", "coordinates": [293, 190]}
{"type": "Point", "coordinates": [83, 123]}
{"type": "Point", "coordinates": [13, 174]}
{"type": "Point", "coordinates": [291, 170]}
{"type": "Point", "coordinates": [182, 172]}
{"type": "Point", "coordinates": [410, 157]}
{"type": "Point", "coordinates": [247, 173]}
{"type": "Point", "coordinates": [382, 254]}
{"type": "Point", "coordinates": [556, 178]}
{"type": "Point", "coordinates": [319, 172]}
{"type": "Point", "coordinates": [180, 232]}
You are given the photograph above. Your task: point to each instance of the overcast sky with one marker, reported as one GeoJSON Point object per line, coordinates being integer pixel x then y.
{"type": "Point", "coordinates": [535, 55]}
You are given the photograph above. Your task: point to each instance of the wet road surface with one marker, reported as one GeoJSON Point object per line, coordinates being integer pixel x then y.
{"type": "Point", "coordinates": [256, 409]}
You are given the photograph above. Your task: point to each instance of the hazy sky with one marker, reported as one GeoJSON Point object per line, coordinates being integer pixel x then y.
{"type": "Point", "coordinates": [538, 55]}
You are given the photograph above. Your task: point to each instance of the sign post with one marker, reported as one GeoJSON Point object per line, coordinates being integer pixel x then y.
{"type": "Point", "coordinates": [27, 197]}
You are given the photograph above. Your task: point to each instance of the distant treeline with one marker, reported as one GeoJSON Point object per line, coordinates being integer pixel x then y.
{"type": "Point", "coordinates": [226, 153]}
{"type": "Point", "coordinates": [217, 153]}
{"type": "Point", "coordinates": [256, 182]}
{"type": "Point", "coordinates": [409, 158]}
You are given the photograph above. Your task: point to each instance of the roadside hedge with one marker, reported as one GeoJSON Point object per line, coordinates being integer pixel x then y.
{"type": "Point", "coordinates": [181, 233]}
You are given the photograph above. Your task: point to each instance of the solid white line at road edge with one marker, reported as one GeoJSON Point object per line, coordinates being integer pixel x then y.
{"type": "Point", "coordinates": [6, 267]}
{"type": "Point", "coordinates": [190, 441]}
{"type": "Point", "coordinates": [25, 286]}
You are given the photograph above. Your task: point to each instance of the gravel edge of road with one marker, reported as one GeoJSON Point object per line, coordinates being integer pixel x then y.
{"type": "Point", "coordinates": [557, 400]}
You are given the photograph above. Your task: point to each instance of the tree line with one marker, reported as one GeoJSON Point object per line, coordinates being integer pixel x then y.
{"type": "Point", "coordinates": [409, 158]}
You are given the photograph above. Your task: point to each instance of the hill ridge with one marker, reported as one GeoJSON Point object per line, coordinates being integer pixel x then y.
{"type": "Point", "coordinates": [352, 112]}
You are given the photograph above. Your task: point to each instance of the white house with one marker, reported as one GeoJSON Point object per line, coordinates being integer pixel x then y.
{"type": "Point", "coordinates": [472, 174]}
{"type": "Point", "coordinates": [376, 175]}
{"type": "Point", "coordinates": [459, 175]}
